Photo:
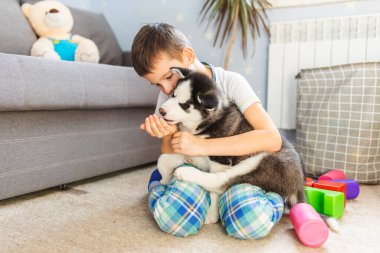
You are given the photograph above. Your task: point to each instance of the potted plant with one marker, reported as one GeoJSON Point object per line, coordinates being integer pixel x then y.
{"type": "Point", "coordinates": [228, 14]}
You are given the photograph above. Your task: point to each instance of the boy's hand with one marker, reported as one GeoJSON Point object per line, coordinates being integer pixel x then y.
{"type": "Point", "coordinates": [187, 144]}
{"type": "Point", "coordinates": [157, 127]}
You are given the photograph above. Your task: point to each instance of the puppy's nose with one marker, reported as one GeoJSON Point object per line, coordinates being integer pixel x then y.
{"type": "Point", "coordinates": [53, 11]}
{"type": "Point", "coordinates": [162, 112]}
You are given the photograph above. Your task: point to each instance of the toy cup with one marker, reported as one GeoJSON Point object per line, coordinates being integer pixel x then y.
{"type": "Point", "coordinates": [310, 228]}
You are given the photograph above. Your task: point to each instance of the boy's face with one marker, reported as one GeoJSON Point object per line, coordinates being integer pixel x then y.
{"type": "Point", "coordinates": [162, 76]}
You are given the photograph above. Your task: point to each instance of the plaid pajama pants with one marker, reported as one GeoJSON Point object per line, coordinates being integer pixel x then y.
{"type": "Point", "coordinates": [246, 211]}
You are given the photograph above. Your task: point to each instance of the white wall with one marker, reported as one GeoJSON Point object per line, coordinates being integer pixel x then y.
{"type": "Point", "coordinates": [126, 17]}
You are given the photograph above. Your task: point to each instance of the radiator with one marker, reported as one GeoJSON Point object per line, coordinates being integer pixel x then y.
{"type": "Point", "coordinates": [314, 43]}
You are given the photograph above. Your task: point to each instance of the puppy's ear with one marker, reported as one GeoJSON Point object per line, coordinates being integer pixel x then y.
{"type": "Point", "coordinates": [180, 72]}
{"type": "Point", "coordinates": [208, 101]}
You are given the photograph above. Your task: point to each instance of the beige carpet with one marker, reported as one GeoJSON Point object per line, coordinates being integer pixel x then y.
{"type": "Point", "coordinates": [110, 214]}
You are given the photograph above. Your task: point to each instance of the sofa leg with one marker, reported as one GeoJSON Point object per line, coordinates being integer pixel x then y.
{"type": "Point", "coordinates": [62, 187]}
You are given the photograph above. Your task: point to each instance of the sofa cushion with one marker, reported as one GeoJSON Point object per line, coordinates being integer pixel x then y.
{"type": "Point", "coordinates": [17, 37]}
{"type": "Point", "coordinates": [32, 83]}
{"type": "Point", "coordinates": [94, 26]}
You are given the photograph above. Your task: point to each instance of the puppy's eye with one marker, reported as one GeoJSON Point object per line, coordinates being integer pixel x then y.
{"type": "Point", "coordinates": [184, 106]}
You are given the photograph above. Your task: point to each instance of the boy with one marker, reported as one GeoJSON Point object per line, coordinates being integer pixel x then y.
{"type": "Point", "coordinates": [158, 47]}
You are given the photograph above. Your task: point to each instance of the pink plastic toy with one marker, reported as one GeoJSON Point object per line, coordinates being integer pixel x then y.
{"type": "Point", "coordinates": [333, 175]}
{"type": "Point", "coordinates": [310, 228]}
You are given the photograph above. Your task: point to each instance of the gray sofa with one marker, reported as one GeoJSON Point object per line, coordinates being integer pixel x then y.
{"type": "Point", "coordinates": [62, 121]}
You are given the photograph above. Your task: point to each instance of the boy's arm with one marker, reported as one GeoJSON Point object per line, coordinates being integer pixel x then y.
{"type": "Point", "coordinates": [166, 145]}
{"type": "Point", "coordinates": [265, 137]}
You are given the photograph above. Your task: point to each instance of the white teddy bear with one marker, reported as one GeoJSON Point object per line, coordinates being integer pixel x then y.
{"type": "Point", "coordinates": [52, 21]}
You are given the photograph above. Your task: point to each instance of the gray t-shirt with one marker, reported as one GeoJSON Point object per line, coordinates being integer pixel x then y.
{"type": "Point", "coordinates": [233, 85]}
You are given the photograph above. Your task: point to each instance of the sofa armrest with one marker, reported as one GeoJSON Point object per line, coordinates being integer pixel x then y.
{"type": "Point", "coordinates": [31, 83]}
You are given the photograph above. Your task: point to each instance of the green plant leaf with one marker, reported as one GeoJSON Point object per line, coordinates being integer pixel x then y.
{"type": "Point", "coordinates": [250, 15]}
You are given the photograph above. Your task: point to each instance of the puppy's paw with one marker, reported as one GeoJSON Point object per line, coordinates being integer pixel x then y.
{"type": "Point", "coordinates": [186, 173]}
{"type": "Point", "coordinates": [212, 217]}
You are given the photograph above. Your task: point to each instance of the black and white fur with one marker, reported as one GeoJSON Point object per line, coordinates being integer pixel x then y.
{"type": "Point", "coordinates": [199, 107]}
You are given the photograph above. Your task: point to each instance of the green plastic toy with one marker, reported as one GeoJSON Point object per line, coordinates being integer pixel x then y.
{"type": "Point", "coordinates": [330, 203]}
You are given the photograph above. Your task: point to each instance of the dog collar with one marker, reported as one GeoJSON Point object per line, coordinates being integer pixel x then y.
{"type": "Point", "coordinates": [208, 65]}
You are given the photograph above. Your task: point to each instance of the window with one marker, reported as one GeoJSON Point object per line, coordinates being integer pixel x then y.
{"type": "Point", "coordinates": [294, 3]}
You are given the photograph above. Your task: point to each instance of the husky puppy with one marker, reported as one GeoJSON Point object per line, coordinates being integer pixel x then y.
{"type": "Point", "coordinates": [199, 107]}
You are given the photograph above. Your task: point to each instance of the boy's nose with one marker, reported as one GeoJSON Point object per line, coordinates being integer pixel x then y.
{"type": "Point", "coordinates": [162, 112]}
{"type": "Point", "coordinates": [166, 88]}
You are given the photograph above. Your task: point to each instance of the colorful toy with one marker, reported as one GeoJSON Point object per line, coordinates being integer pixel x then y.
{"type": "Point", "coordinates": [328, 195]}
{"type": "Point", "coordinates": [310, 228]}
{"type": "Point", "coordinates": [334, 174]}
{"type": "Point", "coordinates": [326, 202]}
{"type": "Point", "coordinates": [332, 186]}
{"type": "Point", "coordinates": [352, 187]}
{"type": "Point", "coordinates": [309, 181]}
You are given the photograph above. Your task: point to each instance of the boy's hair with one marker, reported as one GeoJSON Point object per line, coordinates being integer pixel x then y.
{"type": "Point", "coordinates": [153, 39]}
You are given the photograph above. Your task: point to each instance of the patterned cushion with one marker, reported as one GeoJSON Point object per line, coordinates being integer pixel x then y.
{"type": "Point", "coordinates": [338, 120]}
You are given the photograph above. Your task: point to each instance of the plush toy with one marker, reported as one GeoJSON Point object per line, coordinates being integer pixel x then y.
{"type": "Point", "coordinates": [52, 21]}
